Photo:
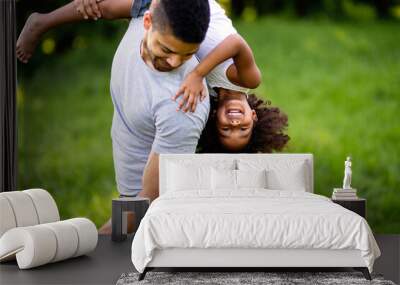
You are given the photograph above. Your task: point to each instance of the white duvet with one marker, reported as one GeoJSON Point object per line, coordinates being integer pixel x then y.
{"type": "Point", "coordinates": [253, 218]}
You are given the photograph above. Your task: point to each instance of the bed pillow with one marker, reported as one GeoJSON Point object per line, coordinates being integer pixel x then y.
{"type": "Point", "coordinates": [181, 177]}
{"type": "Point", "coordinates": [251, 178]}
{"type": "Point", "coordinates": [223, 179]}
{"type": "Point", "coordinates": [280, 174]}
{"type": "Point", "coordinates": [230, 180]}
{"type": "Point", "coordinates": [292, 179]}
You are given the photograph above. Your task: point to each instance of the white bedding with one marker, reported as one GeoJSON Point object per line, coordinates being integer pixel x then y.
{"type": "Point", "coordinates": [251, 218]}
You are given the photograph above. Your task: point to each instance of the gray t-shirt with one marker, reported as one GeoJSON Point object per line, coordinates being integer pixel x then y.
{"type": "Point", "coordinates": [145, 118]}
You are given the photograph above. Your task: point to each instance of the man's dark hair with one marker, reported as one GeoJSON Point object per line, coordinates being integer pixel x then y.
{"type": "Point", "coordinates": [187, 19]}
{"type": "Point", "coordinates": [267, 135]}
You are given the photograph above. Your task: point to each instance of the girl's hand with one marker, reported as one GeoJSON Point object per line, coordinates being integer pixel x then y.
{"type": "Point", "coordinates": [192, 88]}
{"type": "Point", "coordinates": [88, 8]}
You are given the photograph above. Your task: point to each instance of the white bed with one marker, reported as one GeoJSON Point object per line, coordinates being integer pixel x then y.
{"type": "Point", "coordinates": [197, 224]}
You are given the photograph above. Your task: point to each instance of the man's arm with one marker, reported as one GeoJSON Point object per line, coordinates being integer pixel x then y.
{"type": "Point", "coordinates": [176, 132]}
{"type": "Point", "coordinates": [150, 180]}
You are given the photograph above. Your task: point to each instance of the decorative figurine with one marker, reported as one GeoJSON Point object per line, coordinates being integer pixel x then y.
{"type": "Point", "coordinates": [347, 192]}
{"type": "Point", "coordinates": [347, 174]}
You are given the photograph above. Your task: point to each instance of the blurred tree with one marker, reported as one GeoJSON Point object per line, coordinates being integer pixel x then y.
{"type": "Point", "coordinates": [334, 8]}
{"type": "Point", "coordinates": [382, 8]}
{"type": "Point", "coordinates": [268, 7]}
{"type": "Point", "coordinates": [305, 8]}
{"type": "Point", "coordinates": [237, 7]}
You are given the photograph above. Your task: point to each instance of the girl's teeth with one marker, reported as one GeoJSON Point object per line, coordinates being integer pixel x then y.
{"type": "Point", "coordinates": [234, 114]}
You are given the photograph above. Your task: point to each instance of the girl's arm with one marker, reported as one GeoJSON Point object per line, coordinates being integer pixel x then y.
{"type": "Point", "coordinates": [75, 11]}
{"type": "Point", "coordinates": [243, 72]}
{"type": "Point", "coordinates": [107, 9]}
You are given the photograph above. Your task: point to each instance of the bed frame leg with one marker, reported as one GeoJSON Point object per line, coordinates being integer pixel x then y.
{"type": "Point", "coordinates": [143, 274]}
{"type": "Point", "coordinates": [364, 271]}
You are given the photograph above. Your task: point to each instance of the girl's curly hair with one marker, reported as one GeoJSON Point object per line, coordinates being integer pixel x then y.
{"type": "Point", "coordinates": [267, 135]}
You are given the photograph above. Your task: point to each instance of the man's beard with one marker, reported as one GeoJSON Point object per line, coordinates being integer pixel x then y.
{"type": "Point", "coordinates": [157, 62]}
{"type": "Point", "coordinates": [161, 65]}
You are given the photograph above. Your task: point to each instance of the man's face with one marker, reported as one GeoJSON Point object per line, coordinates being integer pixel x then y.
{"type": "Point", "coordinates": [164, 50]}
{"type": "Point", "coordinates": [235, 119]}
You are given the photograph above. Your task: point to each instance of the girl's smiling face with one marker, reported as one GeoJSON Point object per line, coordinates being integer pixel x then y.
{"type": "Point", "coordinates": [235, 119]}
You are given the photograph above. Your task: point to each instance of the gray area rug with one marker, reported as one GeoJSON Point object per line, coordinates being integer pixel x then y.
{"type": "Point", "coordinates": [231, 278]}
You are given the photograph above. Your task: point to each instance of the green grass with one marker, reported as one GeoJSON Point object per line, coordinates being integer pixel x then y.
{"type": "Point", "coordinates": [339, 83]}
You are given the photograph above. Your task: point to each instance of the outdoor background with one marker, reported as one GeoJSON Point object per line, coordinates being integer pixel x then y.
{"type": "Point", "coordinates": [332, 66]}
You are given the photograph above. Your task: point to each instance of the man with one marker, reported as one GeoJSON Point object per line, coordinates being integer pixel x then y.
{"type": "Point", "coordinates": [152, 60]}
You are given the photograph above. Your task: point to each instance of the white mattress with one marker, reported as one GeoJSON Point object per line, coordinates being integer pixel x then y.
{"type": "Point", "coordinates": [252, 218]}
